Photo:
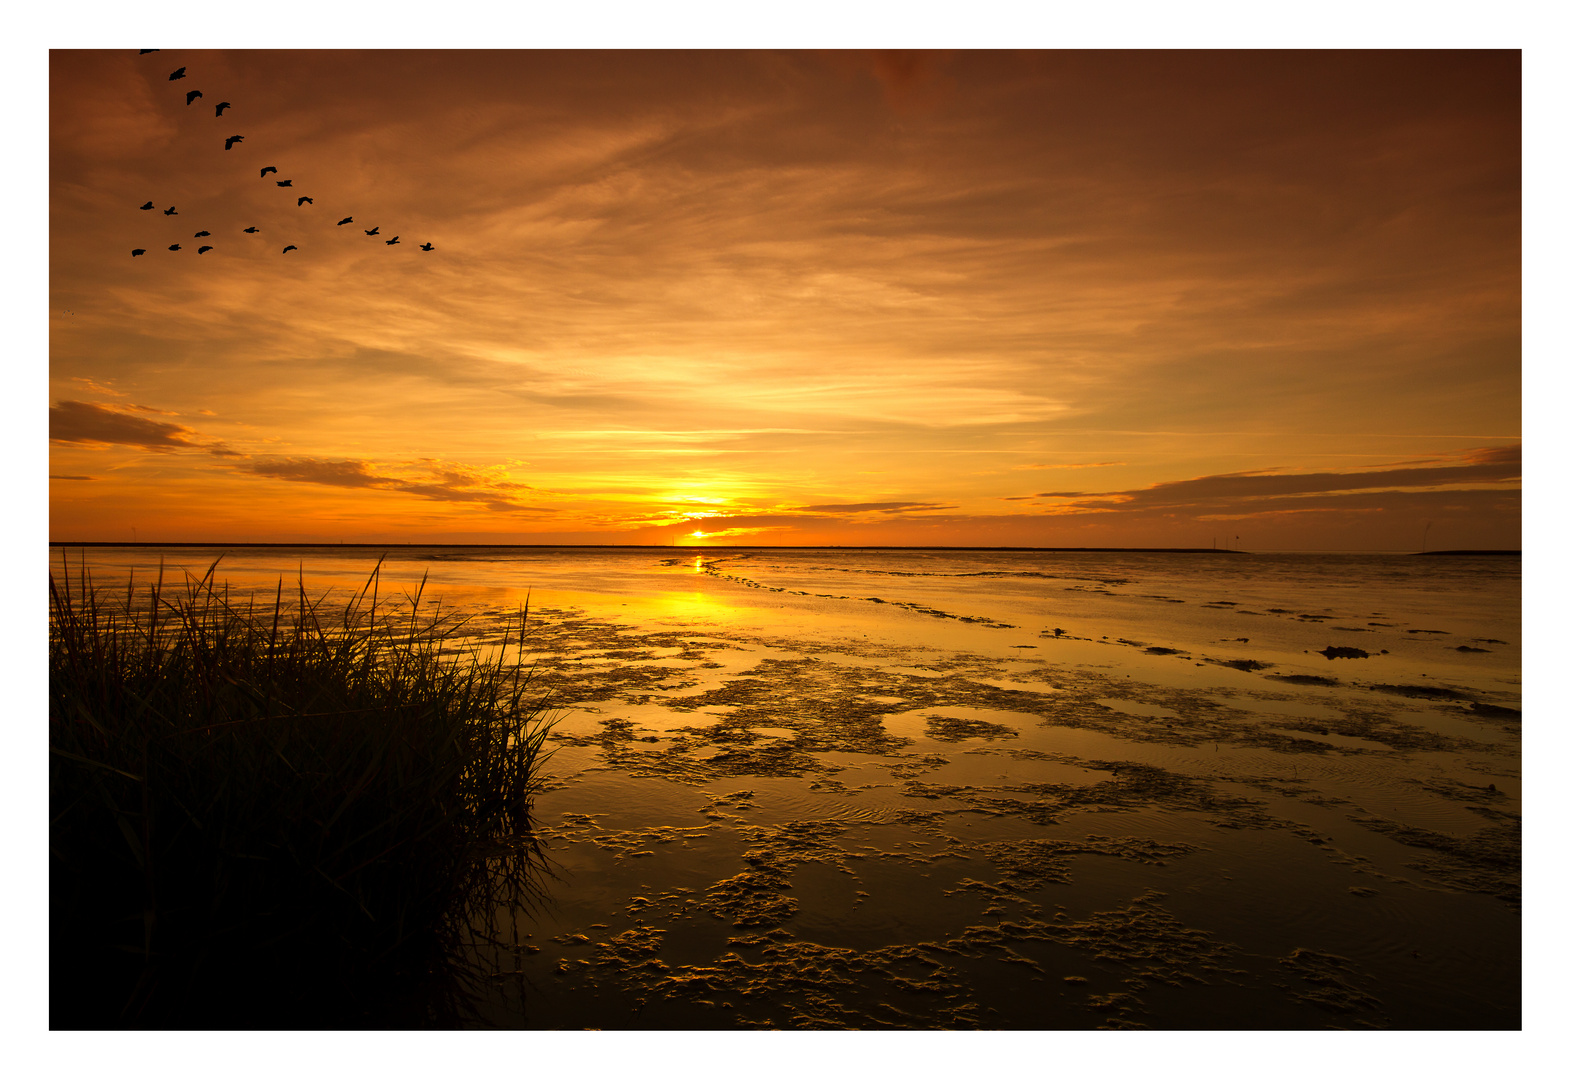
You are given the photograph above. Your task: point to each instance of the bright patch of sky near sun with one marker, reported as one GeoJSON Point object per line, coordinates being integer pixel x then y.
{"type": "Point", "coordinates": [945, 298]}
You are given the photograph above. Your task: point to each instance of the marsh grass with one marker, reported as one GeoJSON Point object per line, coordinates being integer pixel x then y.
{"type": "Point", "coordinates": [281, 816]}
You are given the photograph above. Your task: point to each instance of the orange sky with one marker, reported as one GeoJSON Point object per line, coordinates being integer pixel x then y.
{"type": "Point", "coordinates": [974, 298]}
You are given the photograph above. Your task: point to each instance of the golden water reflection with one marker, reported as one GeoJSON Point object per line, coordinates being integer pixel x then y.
{"type": "Point", "coordinates": [877, 754]}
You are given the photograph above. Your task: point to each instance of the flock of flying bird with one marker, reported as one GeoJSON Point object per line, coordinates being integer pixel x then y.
{"type": "Point", "coordinates": [229, 143]}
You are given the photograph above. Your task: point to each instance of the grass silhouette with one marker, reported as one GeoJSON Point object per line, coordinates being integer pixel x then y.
{"type": "Point", "coordinates": [280, 817]}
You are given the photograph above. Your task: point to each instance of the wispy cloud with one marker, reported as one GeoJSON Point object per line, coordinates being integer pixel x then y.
{"type": "Point", "coordinates": [1491, 466]}
{"type": "Point", "coordinates": [96, 388]}
{"type": "Point", "coordinates": [851, 288]}
{"type": "Point", "coordinates": [1074, 465]}
{"type": "Point", "coordinates": [89, 423]}
{"type": "Point", "coordinates": [444, 484]}
{"type": "Point", "coordinates": [86, 422]}
{"type": "Point", "coordinates": [864, 508]}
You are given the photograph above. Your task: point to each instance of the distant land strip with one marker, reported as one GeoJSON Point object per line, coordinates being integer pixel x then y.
{"type": "Point", "coordinates": [1475, 551]}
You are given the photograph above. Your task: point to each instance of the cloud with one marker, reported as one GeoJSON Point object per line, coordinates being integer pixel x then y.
{"type": "Point", "coordinates": [56, 476]}
{"type": "Point", "coordinates": [645, 261]}
{"type": "Point", "coordinates": [748, 521]}
{"type": "Point", "coordinates": [350, 474]}
{"type": "Point", "coordinates": [455, 475]}
{"type": "Point", "coordinates": [447, 483]}
{"type": "Point", "coordinates": [1504, 455]}
{"type": "Point", "coordinates": [95, 387]}
{"type": "Point", "coordinates": [863, 508]}
{"type": "Point", "coordinates": [1076, 465]}
{"type": "Point", "coordinates": [1488, 465]}
{"type": "Point", "coordinates": [85, 422]}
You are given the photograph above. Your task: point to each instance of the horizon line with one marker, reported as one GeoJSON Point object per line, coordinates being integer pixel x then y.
{"type": "Point", "coordinates": [774, 547]}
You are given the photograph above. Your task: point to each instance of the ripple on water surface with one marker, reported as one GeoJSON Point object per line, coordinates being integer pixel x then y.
{"type": "Point", "coordinates": [1130, 790]}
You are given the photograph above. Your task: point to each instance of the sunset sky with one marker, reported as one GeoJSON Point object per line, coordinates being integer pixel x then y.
{"type": "Point", "coordinates": [1021, 298]}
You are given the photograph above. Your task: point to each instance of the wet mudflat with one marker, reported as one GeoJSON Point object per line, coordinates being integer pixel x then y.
{"type": "Point", "coordinates": [958, 790]}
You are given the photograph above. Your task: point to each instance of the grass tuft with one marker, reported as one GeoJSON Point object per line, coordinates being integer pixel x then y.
{"type": "Point", "coordinates": [285, 816]}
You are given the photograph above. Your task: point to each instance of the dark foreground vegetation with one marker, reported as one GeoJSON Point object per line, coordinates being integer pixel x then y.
{"type": "Point", "coordinates": [281, 817]}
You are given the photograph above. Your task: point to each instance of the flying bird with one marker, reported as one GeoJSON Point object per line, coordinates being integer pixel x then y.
{"type": "Point", "coordinates": [373, 232]}
{"type": "Point", "coordinates": [346, 221]}
{"type": "Point", "coordinates": [204, 249]}
{"type": "Point", "coordinates": [270, 168]}
{"type": "Point", "coordinates": [148, 205]}
{"type": "Point", "coordinates": [251, 229]}
{"type": "Point", "coordinates": [192, 95]}
{"type": "Point", "coordinates": [302, 200]}
{"type": "Point", "coordinates": [178, 73]}
{"type": "Point", "coordinates": [232, 140]}
{"type": "Point", "coordinates": [288, 249]}
{"type": "Point", "coordinates": [425, 247]}
{"type": "Point", "coordinates": [286, 183]}
{"type": "Point", "coordinates": [222, 105]}
{"type": "Point", "coordinates": [391, 242]}
{"type": "Point", "coordinates": [170, 212]}
{"type": "Point", "coordinates": [174, 247]}
{"type": "Point", "coordinates": [203, 233]}
{"type": "Point", "coordinates": [139, 251]}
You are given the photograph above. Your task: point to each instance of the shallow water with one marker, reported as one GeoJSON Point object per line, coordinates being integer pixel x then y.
{"type": "Point", "coordinates": [838, 788]}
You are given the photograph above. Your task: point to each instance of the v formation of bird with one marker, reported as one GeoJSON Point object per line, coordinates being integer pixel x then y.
{"type": "Point", "coordinates": [229, 144]}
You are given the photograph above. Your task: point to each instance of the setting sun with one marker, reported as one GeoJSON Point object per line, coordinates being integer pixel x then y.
{"type": "Point", "coordinates": [1108, 469]}
{"type": "Point", "coordinates": [827, 298]}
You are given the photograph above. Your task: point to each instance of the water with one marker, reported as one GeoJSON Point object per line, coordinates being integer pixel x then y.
{"type": "Point", "coordinates": [831, 788]}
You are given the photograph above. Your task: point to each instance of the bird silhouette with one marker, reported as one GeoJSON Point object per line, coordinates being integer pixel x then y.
{"type": "Point", "coordinates": [251, 229]}
{"type": "Point", "coordinates": [222, 105]}
{"type": "Point", "coordinates": [148, 205]}
{"type": "Point", "coordinates": [288, 249]}
{"type": "Point", "coordinates": [170, 212]}
{"type": "Point", "coordinates": [138, 251]}
{"type": "Point", "coordinates": [373, 232]}
{"type": "Point", "coordinates": [204, 249]}
{"type": "Point", "coordinates": [391, 242]}
{"type": "Point", "coordinates": [203, 233]}
{"type": "Point", "coordinates": [192, 95]}
{"type": "Point", "coordinates": [425, 247]}
{"type": "Point", "coordinates": [346, 221]}
{"type": "Point", "coordinates": [232, 140]}
{"type": "Point", "coordinates": [285, 183]}
{"type": "Point", "coordinates": [144, 52]}
{"type": "Point", "coordinates": [270, 168]}
{"type": "Point", "coordinates": [302, 200]}
{"type": "Point", "coordinates": [178, 73]}
{"type": "Point", "coordinates": [174, 247]}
